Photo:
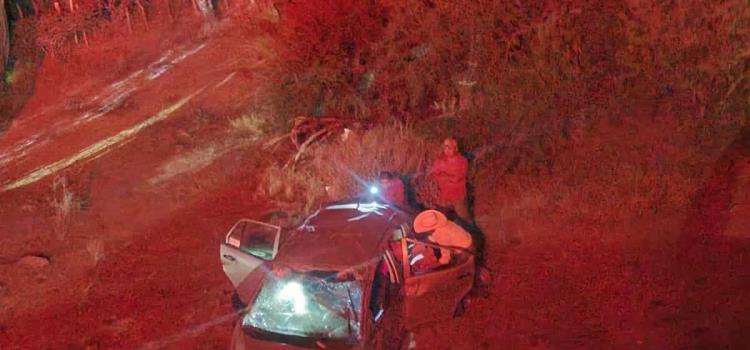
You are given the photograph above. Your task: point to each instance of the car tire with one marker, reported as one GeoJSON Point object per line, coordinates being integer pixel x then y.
{"type": "Point", "coordinates": [237, 304]}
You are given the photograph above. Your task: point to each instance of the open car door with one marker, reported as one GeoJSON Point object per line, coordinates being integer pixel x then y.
{"type": "Point", "coordinates": [247, 245]}
{"type": "Point", "coordinates": [435, 294]}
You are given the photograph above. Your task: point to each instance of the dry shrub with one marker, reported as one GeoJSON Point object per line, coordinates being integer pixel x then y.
{"type": "Point", "coordinates": [585, 109]}
{"type": "Point", "coordinates": [248, 125]}
{"type": "Point", "coordinates": [298, 190]}
{"type": "Point", "coordinates": [65, 205]}
{"type": "Point", "coordinates": [56, 33]}
{"type": "Point", "coordinates": [60, 32]}
{"type": "Point", "coordinates": [95, 248]}
{"type": "Point", "coordinates": [515, 65]}
{"type": "Point", "coordinates": [320, 44]}
{"type": "Point", "coordinates": [336, 169]}
{"type": "Point", "coordinates": [189, 162]}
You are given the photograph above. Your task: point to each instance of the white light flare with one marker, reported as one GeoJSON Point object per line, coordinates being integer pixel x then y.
{"type": "Point", "coordinates": [293, 293]}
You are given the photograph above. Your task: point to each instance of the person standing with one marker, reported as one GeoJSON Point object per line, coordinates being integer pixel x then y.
{"type": "Point", "coordinates": [450, 171]}
{"type": "Point", "coordinates": [392, 189]}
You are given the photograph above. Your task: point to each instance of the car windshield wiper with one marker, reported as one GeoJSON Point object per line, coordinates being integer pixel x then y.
{"type": "Point", "coordinates": [349, 322]}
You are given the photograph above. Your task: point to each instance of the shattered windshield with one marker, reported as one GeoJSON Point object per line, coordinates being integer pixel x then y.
{"type": "Point", "coordinates": [313, 305]}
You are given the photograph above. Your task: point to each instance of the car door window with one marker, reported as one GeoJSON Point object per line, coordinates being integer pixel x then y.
{"type": "Point", "coordinates": [254, 238]}
{"type": "Point", "coordinates": [394, 255]}
{"type": "Point", "coordinates": [379, 297]}
{"type": "Point", "coordinates": [423, 257]}
{"type": "Point", "coordinates": [246, 246]}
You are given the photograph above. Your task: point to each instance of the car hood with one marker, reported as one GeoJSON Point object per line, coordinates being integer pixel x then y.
{"type": "Point", "coordinates": [243, 341]}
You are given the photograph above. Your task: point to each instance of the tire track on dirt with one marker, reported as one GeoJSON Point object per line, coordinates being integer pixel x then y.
{"type": "Point", "coordinates": [98, 147]}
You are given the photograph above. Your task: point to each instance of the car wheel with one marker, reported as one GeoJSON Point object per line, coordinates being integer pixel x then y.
{"type": "Point", "coordinates": [237, 304]}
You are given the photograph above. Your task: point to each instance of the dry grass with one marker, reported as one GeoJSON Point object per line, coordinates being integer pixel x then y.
{"type": "Point", "coordinates": [189, 162]}
{"type": "Point", "coordinates": [95, 248]}
{"type": "Point", "coordinates": [248, 125]}
{"type": "Point", "coordinates": [605, 174]}
{"type": "Point", "coordinates": [65, 205]}
{"type": "Point", "coordinates": [244, 130]}
{"type": "Point", "coordinates": [517, 66]}
{"type": "Point", "coordinates": [337, 169]}
{"type": "Point", "coordinates": [585, 110]}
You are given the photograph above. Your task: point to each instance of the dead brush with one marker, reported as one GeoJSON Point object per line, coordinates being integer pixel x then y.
{"type": "Point", "coordinates": [297, 190]}
{"type": "Point", "coordinates": [335, 169]}
{"type": "Point", "coordinates": [248, 125]}
{"type": "Point", "coordinates": [95, 248]}
{"type": "Point", "coordinates": [65, 204]}
{"type": "Point", "coordinates": [189, 162]}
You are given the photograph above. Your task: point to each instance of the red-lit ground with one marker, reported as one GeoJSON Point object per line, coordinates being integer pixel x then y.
{"type": "Point", "coordinates": [138, 267]}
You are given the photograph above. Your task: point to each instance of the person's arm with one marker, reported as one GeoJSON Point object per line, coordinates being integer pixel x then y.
{"type": "Point", "coordinates": [456, 172]}
{"type": "Point", "coordinates": [462, 170]}
{"type": "Point", "coordinates": [438, 169]}
{"type": "Point", "coordinates": [445, 256]}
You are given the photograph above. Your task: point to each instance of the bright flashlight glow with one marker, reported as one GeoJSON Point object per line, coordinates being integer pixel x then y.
{"type": "Point", "coordinates": [374, 189]}
{"type": "Point", "coordinates": [293, 293]}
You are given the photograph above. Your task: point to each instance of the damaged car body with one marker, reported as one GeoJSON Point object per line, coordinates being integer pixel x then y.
{"type": "Point", "coordinates": [337, 281]}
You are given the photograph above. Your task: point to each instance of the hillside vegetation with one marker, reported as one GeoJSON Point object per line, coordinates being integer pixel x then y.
{"type": "Point", "coordinates": [600, 110]}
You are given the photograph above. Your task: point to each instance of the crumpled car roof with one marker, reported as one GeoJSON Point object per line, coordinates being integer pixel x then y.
{"type": "Point", "coordinates": [341, 236]}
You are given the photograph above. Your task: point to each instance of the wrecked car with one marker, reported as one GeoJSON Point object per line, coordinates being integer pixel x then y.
{"type": "Point", "coordinates": [344, 279]}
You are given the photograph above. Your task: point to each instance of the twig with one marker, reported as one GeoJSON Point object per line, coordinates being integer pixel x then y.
{"type": "Point", "coordinates": [307, 124]}
{"type": "Point", "coordinates": [127, 17]}
{"type": "Point", "coordinates": [143, 12]}
{"type": "Point", "coordinates": [305, 144]}
{"type": "Point", "coordinates": [275, 140]}
{"type": "Point", "coordinates": [20, 12]}
{"type": "Point", "coordinates": [734, 85]}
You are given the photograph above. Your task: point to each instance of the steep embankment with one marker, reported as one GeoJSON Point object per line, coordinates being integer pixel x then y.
{"type": "Point", "coordinates": [106, 176]}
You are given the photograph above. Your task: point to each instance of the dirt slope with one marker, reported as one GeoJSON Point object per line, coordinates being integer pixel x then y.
{"type": "Point", "coordinates": [155, 176]}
